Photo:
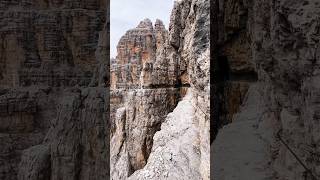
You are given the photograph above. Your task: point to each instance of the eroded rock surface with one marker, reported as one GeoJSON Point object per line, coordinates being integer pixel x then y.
{"type": "Point", "coordinates": [139, 102]}
{"type": "Point", "coordinates": [53, 125]}
{"type": "Point", "coordinates": [176, 153]}
{"type": "Point", "coordinates": [159, 76]}
{"type": "Point", "coordinates": [283, 42]}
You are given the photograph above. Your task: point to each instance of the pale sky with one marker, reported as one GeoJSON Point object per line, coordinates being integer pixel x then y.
{"type": "Point", "coordinates": [126, 14]}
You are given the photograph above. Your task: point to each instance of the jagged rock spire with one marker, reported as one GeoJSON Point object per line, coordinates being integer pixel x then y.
{"type": "Point", "coordinates": [136, 49]}
{"type": "Point", "coordinates": [146, 23]}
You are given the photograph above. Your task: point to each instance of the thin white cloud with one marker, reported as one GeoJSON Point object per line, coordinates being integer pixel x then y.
{"type": "Point", "coordinates": [126, 14]}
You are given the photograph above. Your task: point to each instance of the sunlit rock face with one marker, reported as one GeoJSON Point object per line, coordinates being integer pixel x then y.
{"type": "Point", "coordinates": [137, 51]}
{"type": "Point", "coordinates": [152, 111]}
{"type": "Point", "coordinates": [53, 89]}
{"type": "Point", "coordinates": [138, 103]}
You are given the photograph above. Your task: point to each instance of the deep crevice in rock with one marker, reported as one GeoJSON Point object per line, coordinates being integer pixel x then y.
{"type": "Point", "coordinates": [228, 96]}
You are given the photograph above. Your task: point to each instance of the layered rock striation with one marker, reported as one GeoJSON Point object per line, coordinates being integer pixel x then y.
{"type": "Point", "coordinates": [154, 136]}
{"type": "Point", "coordinates": [54, 90]}
{"type": "Point", "coordinates": [139, 101]}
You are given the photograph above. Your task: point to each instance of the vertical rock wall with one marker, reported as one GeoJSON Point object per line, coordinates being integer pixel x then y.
{"type": "Point", "coordinates": [53, 125]}
{"type": "Point", "coordinates": [234, 68]}
{"type": "Point", "coordinates": [283, 44]}
{"type": "Point", "coordinates": [141, 96]}
{"type": "Point", "coordinates": [180, 148]}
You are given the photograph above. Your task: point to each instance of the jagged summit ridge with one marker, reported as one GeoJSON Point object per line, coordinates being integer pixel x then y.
{"type": "Point", "coordinates": [137, 54]}
{"type": "Point", "coordinates": [148, 79]}
{"type": "Point", "coordinates": [146, 23]}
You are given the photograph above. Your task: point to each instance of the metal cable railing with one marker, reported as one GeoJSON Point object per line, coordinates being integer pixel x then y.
{"type": "Point", "coordinates": [307, 170]}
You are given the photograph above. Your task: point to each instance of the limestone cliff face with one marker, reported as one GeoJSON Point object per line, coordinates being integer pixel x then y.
{"type": "Point", "coordinates": [148, 141]}
{"type": "Point", "coordinates": [234, 69]}
{"type": "Point", "coordinates": [279, 112]}
{"type": "Point", "coordinates": [49, 43]}
{"type": "Point", "coordinates": [138, 102]}
{"type": "Point", "coordinates": [53, 125]}
{"type": "Point", "coordinates": [141, 57]}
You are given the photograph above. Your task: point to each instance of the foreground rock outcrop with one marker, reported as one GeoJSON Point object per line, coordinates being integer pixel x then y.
{"type": "Point", "coordinates": [54, 90]}
{"type": "Point", "coordinates": [153, 71]}
{"type": "Point", "coordinates": [278, 118]}
{"type": "Point", "coordinates": [174, 154]}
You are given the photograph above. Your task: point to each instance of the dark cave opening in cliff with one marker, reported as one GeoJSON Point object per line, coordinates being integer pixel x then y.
{"type": "Point", "coordinates": [227, 82]}
{"type": "Point", "coordinates": [221, 76]}
{"type": "Point", "coordinates": [223, 69]}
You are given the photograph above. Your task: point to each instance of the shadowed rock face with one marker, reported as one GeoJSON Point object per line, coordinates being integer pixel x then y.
{"type": "Point", "coordinates": [234, 67]}
{"type": "Point", "coordinates": [282, 38]}
{"type": "Point", "coordinates": [176, 62]}
{"type": "Point", "coordinates": [52, 45]}
{"type": "Point", "coordinates": [53, 125]}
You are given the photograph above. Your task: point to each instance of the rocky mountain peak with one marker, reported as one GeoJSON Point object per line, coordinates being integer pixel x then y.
{"type": "Point", "coordinates": [150, 78]}
{"type": "Point", "coordinates": [146, 23]}
{"type": "Point", "coordinates": [137, 51]}
{"type": "Point", "coordinates": [158, 25]}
